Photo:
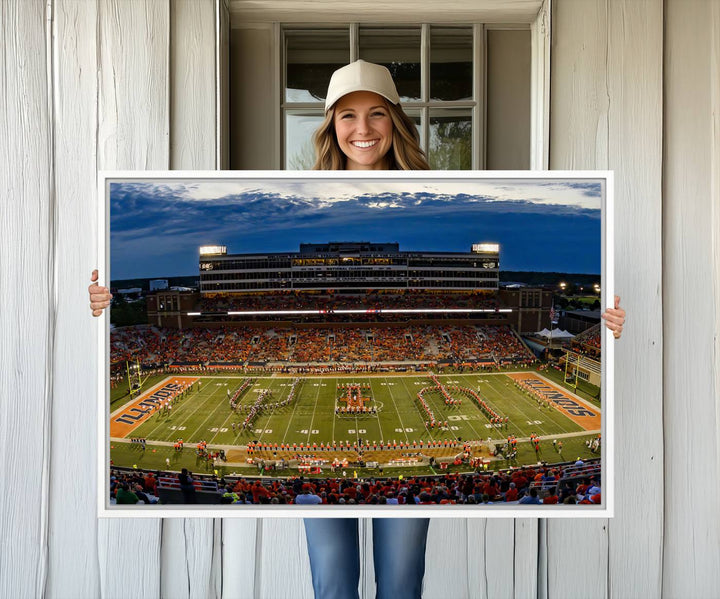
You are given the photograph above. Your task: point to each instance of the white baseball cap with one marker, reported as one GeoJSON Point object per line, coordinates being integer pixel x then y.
{"type": "Point", "coordinates": [361, 76]}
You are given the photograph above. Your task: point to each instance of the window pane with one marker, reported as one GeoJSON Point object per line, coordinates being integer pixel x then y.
{"type": "Point", "coordinates": [451, 55]}
{"type": "Point", "coordinates": [450, 139]}
{"type": "Point", "coordinates": [508, 100]}
{"type": "Point", "coordinates": [398, 50]}
{"type": "Point", "coordinates": [415, 116]}
{"type": "Point", "coordinates": [299, 150]}
{"type": "Point", "coordinates": [311, 58]}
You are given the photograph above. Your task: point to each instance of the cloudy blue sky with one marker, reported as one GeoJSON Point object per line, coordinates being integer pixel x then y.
{"type": "Point", "coordinates": [541, 225]}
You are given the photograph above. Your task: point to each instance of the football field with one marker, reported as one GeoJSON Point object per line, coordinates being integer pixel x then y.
{"type": "Point", "coordinates": [204, 413]}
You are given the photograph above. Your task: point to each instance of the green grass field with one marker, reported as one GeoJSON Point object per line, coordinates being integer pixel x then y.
{"type": "Point", "coordinates": [205, 415]}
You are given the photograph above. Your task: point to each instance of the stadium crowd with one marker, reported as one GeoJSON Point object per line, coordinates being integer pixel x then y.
{"type": "Point", "coordinates": [570, 483]}
{"type": "Point", "coordinates": [154, 347]}
{"type": "Point", "coordinates": [588, 343]}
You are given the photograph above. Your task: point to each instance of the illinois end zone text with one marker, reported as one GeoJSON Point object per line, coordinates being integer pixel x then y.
{"type": "Point", "coordinates": [581, 413]}
{"type": "Point", "coordinates": [133, 414]}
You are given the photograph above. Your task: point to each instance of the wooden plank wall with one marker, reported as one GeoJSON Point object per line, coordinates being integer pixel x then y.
{"type": "Point", "coordinates": [27, 323]}
{"type": "Point", "coordinates": [133, 85]}
{"type": "Point", "coordinates": [73, 557]}
{"type": "Point", "coordinates": [691, 301]}
{"type": "Point", "coordinates": [606, 113]}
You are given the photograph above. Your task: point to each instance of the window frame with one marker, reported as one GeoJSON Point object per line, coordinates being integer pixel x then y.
{"type": "Point", "coordinates": [538, 21]}
{"type": "Point", "coordinates": [476, 106]}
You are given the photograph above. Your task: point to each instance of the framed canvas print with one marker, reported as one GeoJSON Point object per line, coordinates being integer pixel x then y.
{"type": "Point", "coordinates": [343, 344]}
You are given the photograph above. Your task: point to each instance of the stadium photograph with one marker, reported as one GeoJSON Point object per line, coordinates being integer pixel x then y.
{"type": "Point", "coordinates": [355, 342]}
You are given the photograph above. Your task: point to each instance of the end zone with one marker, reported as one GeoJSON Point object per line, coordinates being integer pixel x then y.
{"type": "Point", "coordinates": [573, 407]}
{"type": "Point", "coordinates": [133, 414]}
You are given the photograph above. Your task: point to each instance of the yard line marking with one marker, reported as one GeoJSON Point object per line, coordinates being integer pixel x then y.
{"type": "Point", "coordinates": [202, 406]}
{"type": "Point", "coordinates": [377, 414]}
{"type": "Point", "coordinates": [232, 413]}
{"type": "Point", "coordinates": [296, 401]}
{"type": "Point", "coordinates": [218, 406]}
{"type": "Point", "coordinates": [229, 417]}
{"type": "Point", "coordinates": [335, 405]}
{"type": "Point", "coordinates": [527, 401]}
{"type": "Point", "coordinates": [471, 381]}
{"type": "Point", "coordinates": [312, 418]}
{"type": "Point", "coordinates": [264, 426]}
{"type": "Point", "coordinates": [479, 436]}
{"type": "Point", "coordinates": [180, 411]}
{"type": "Point", "coordinates": [519, 407]}
{"type": "Point", "coordinates": [412, 396]}
{"type": "Point", "coordinates": [392, 397]}
{"type": "Point", "coordinates": [282, 394]}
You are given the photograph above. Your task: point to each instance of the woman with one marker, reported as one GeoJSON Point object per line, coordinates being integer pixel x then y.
{"type": "Point", "coordinates": [365, 129]}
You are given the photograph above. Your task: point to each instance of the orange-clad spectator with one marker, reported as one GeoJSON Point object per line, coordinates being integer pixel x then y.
{"type": "Point", "coordinates": [258, 491]}
{"type": "Point", "coordinates": [150, 483]}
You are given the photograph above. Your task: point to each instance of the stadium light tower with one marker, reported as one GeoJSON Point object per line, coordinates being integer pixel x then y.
{"type": "Point", "coordinates": [134, 377]}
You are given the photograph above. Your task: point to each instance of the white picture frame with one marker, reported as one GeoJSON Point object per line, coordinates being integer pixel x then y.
{"type": "Point", "coordinates": [377, 180]}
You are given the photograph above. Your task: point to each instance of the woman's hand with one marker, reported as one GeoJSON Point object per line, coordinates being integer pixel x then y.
{"type": "Point", "coordinates": [615, 318]}
{"type": "Point", "coordinates": [99, 296]}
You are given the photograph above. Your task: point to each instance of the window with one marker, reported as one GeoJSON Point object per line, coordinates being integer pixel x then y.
{"type": "Point", "coordinates": [440, 72]}
{"type": "Point", "coordinates": [479, 94]}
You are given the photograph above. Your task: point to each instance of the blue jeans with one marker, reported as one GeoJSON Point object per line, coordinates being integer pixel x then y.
{"type": "Point", "coordinates": [398, 552]}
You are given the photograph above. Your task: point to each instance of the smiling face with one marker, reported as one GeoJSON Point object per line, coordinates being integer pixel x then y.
{"type": "Point", "coordinates": [364, 130]}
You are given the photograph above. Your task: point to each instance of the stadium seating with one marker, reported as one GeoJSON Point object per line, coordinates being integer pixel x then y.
{"type": "Point", "coordinates": [588, 342]}
{"type": "Point", "coordinates": [561, 483]}
{"type": "Point", "coordinates": [154, 347]}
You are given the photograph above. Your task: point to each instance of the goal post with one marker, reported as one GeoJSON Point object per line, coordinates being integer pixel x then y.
{"type": "Point", "coordinates": [134, 377]}
{"type": "Point", "coordinates": [574, 372]}
{"type": "Point", "coordinates": [578, 366]}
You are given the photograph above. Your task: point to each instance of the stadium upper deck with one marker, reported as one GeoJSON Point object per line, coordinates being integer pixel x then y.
{"type": "Point", "coordinates": [349, 266]}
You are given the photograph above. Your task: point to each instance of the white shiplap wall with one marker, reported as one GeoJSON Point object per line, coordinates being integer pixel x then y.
{"type": "Point", "coordinates": [132, 133]}
{"type": "Point", "coordinates": [606, 113]}
{"type": "Point", "coordinates": [692, 307]}
{"type": "Point", "coordinates": [73, 544]}
{"type": "Point", "coordinates": [27, 323]}
{"type": "Point", "coordinates": [191, 559]}
{"type": "Point", "coordinates": [116, 84]}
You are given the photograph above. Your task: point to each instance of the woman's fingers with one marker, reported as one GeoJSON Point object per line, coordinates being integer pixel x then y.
{"type": "Point", "coordinates": [99, 305]}
{"type": "Point", "coordinates": [615, 318]}
{"type": "Point", "coordinates": [99, 296]}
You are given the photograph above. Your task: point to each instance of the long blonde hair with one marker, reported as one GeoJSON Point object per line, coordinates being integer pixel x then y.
{"type": "Point", "coordinates": [405, 153]}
